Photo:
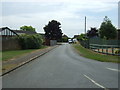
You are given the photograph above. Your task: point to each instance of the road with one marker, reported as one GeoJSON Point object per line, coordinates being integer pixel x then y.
{"type": "Point", "coordinates": [63, 68]}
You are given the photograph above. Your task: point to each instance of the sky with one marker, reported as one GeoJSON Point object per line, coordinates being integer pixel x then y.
{"type": "Point", "coordinates": [119, 15]}
{"type": "Point", "coordinates": [70, 13]}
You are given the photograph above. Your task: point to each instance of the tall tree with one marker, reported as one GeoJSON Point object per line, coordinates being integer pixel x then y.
{"type": "Point", "coordinates": [27, 28]}
{"type": "Point", "coordinates": [81, 37]}
{"type": "Point", "coordinates": [92, 33]}
{"type": "Point", "coordinates": [65, 38]}
{"type": "Point", "coordinates": [107, 30]}
{"type": "Point", "coordinates": [53, 31]}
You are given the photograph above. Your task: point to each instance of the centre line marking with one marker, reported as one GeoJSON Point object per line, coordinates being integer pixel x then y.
{"type": "Point", "coordinates": [95, 82]}
{"type": "Point", "coordinates": [114, 69]}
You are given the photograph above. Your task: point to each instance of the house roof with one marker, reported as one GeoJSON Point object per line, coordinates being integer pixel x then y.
{"type": "Point", "coordinates": [75, 36]}
{"type": "Point", "coordinates": [17, 31]}
{"type": "Point", "coordinates": [41, 33]}
{"type": "Point", "coordinates": [3, 28]}
{"type": "Point", "coordinates": [26, 32]}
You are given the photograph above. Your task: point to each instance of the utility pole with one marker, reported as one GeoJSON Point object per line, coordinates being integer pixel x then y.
{"type": "Point", "coordinates": [85, 24]}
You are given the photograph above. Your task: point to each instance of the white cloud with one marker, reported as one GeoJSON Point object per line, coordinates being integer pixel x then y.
{"type": "Point", "coordinates": [69, 12]}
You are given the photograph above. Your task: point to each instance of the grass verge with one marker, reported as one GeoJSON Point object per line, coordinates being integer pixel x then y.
{"type": "Point", "coordinates": [94, 55]}
{"type": "Point", "coordinates": [6, 55]}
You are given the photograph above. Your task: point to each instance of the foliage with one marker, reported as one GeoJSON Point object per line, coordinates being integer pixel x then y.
{"type": "Point", "coordinates": [27, 28]}
{"type": "Point", "coordinates": [107, 30]}
{"type": "Point", "coordinates": [65, 38]}
{"type": "Point", "coordinates": [92, 33]}
{"type": "Point", "coordinates": [81, 37]}
{"type": "Point", "coordinates": [53, 31]}
{"type": "Point", "coordinates": [30, 41]}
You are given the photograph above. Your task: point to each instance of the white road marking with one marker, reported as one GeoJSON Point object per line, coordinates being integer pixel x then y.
{"type": "Point", "coordinates": [95, 82]}
{"type": "Point", "coordinates": [114, 69]}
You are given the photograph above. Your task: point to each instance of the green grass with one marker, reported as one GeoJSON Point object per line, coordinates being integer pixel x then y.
{"type": "Point", "coordinates": [6, 55]}
{"type": "Point", "coordinates": [94, 55]}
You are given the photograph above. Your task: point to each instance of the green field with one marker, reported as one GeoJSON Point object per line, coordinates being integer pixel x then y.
{"type": "Point", "coordinates": [94, 55]}
{"type": "Point", "coordinates": [6, 55]}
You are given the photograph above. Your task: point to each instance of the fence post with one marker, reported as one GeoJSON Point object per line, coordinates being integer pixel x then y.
{"type": "Point", "coordinates": [112, 50]}
{"type": "Point", "coordinates": [98, 49]}
{"type": "Point", "coordinates": [102, 49]}
{"type": "Point", "coordinates": [106, 50]}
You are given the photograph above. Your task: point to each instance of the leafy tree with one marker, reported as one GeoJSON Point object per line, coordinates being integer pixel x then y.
{"type": "Point", "coordinates": [30, 41]}
{"type": "Point", "coordinates": [81, 37]}
{"type": "Point", "coordinates": [27, 28]}
{"type": "Point", "coordinates": [92, 33]}
{"type": "Point", "coordinates": [53, 31]}
{"type": "Point", "coordinates": [65, 38]}
{"type": "Point", "coordinates": [107, 30]}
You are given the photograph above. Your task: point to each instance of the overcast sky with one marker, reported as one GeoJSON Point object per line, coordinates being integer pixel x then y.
{"type": "Point", "coordinates": [70, 13]}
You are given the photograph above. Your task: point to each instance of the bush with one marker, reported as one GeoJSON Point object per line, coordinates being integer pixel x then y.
{"type": "Point", "coordinates": [64, 39]}
{"type": "Point", "coordinates": [30, 41]}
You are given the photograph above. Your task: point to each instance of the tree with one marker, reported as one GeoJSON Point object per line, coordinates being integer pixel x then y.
{"type": "Point", "coordinates": [27, 28]}
{"type": "Point", "coordinates": [92, 33]}
{"type": "Point", "coordinates": [53, 31]}
{"type": "Point", "coordinates": [65, 38]}
{"type": "Point", "coordinates": [107, 30]}
{"type": "Point", "coordinates": [81, 37]}
{"type": "Point", "coordinates": [30, 41]}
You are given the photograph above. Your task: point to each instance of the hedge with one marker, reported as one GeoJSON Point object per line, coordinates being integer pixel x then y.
{"type": "Point", "coordinates": [30, 41]}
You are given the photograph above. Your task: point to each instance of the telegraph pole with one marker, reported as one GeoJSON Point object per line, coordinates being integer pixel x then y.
{"type": "Point", "coordinates": [85, 24]}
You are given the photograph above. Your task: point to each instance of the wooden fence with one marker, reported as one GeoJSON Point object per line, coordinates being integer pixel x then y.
{"type": "Point", "coordinates": [105, 49]}
{"type": "Point", "coordinates": [102, 45]}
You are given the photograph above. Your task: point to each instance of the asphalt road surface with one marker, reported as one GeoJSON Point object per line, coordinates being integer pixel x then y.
{"type": "Point", "coordinates": [63, 68]}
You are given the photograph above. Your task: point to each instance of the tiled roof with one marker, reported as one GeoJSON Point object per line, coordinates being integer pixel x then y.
{"type": "Point", "coordinates": [1, 29]}
{"type": "Point", "coordinates": [18, 31]}
{"type": "Point", "coordinates": [26, 32]}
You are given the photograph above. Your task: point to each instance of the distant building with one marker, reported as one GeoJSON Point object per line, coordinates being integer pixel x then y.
{"type": "Point", "coordinates": [75, 36]}
{"type": "Point", "coordinates": [119, 14]}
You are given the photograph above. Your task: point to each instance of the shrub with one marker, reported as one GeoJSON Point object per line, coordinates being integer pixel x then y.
{"type": "Point", "coordinates": [30, 41]}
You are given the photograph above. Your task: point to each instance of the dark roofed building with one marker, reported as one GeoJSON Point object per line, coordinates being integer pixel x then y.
{"type": "Point", "coordinates": [9, 43]}
{"type": "Point", "coordinates": [75, 36]}
{"type": "Point", "coordinates": [6, 32]}
{"type": "Point", "coordinates": [20, 32]}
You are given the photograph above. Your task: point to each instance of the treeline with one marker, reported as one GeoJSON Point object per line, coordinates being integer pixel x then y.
{"type": "Point", "coordinates": [52, 32]}
{"type": "Point", "coordinates": [106, 31]}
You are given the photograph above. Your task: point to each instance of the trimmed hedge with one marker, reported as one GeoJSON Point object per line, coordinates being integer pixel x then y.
{"type": "Point", "coordinates": [30, 41]}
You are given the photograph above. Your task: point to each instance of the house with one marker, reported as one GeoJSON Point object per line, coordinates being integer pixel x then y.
{"type": "Point", "coordinates": [75, 36]}
{"type": "Point", "coordinates": [6, 32]}
{"type": "Point", "coordinates": [21, 32]}
{"type": "Point", "coordinates": [9, 43]}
